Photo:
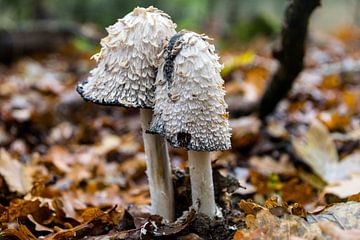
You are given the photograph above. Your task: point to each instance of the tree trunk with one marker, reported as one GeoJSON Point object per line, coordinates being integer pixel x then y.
{"type": "Point", "coordinates": [290, 54]}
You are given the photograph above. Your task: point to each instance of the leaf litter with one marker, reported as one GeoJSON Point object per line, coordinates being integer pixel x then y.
{"type": "Point", "coordinates": [74, 170]}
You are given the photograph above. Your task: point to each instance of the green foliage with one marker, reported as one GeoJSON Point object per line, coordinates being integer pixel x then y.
{"type": "Point", "coordinates": [235, 20]}
{"type": "Point", "coordinates": [259, 25]}
{"type": "Point", "coordinates": [83, 45]}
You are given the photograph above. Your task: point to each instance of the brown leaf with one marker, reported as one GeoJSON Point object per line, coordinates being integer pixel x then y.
{"type": "Point", "coordinates": [38, 226]}
{"type": "Point", "coordinates": [17, 177]}
{"type": "Point", "coordinates": [297, 191]}
{"type": "Point", "coordinates": [267, 226]}
{"type": "Point", "coordinates": [97, 222]}
{"type": "Point", "coordinates": [245, 131]}
{"type": "Point", "coordinates": [91, 213]}
{"type": "Point", "coordinates": [23, 233]}
{"type": "Point", "coordinates": [250, 207]}
{"type": "Point", "coordinates": [267, 165]}
{"type": "Point", "coordinates": [21, 208]}
{"type": "Point", "coordinates": [176, 227]}
{"type": "Point", "coordinates": [318, 150]}
{"type": "Point", "coordinates": [4, 214]}
{"type": "Point", "coordinates": [355, 197]}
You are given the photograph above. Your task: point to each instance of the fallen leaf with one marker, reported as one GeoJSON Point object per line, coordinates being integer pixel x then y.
{"type": "Point", "coordinates": [108, 143]}
{"type": "Point", "coordinates": [242, 59]}
{"type": "Point", "coordinates": [23, 233]}
{"type": "Point", "coordinates": [17, 177]}
{"type": "Point", "coordinates": [297, 191]}
{"type": "Point", "coordinates": [345, 215]}
{"type": "Point", "coordinates": [267, 165]}
{"type": "Point", "coordinates": [318, 150]}
{"type": "Point", "coordinates": [239, 235]}
{"type": "Point", "coordinates": [267, 226]}
{"type": "Point", "coordinates": [245, 131]}
{"type": "Point", "coordinates": [21, 208]}
{"type": "Point", "coordinates": [344, 188]}
{"type": "Point", "coordinates": [353, 135]}
{"type": "Point", "coordinates": [38, 226]}
{"type": "Point", "coordinates": [180, 224]}
{"type": "Point", "coordinates": [355, 197]}
{"type": "Point", "coordinates": [336, 233]}
{"type": "Point", "coordinates": [250, 207]}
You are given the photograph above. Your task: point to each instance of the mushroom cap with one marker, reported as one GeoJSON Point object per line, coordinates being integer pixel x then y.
{"type": "Point", "coordinates": [128, 60]}
{"type": "Point", "coordinates": [190, 110]}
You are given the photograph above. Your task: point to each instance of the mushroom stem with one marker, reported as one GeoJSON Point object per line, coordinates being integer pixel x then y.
{"type": "Point", "coordinates": [202, 187]}
{"type": "Point", "coordinates": [158, 170]}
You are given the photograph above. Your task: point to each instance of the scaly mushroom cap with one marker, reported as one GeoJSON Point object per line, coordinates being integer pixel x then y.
{"type": "Point", "coordinates": [190, 110]}
{"type": "Point", "coordinates": [127, 63]}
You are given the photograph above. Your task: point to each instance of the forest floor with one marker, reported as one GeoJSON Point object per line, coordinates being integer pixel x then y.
{"type": "Point", "coordinates": [72, 170]}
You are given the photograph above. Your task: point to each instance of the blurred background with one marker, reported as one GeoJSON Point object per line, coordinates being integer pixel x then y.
{"type": "Point", "coordinates": [226, 19]}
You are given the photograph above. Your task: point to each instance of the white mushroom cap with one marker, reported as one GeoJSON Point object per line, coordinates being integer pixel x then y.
{"type": "Point", "coordinates": [128, 61]}
{"type": "Point", "coordinates": [190, 110]}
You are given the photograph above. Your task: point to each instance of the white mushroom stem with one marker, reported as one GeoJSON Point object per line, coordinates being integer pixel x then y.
{"type": "Point", "coordinates": [202, 187]}
{"type": "Point", "coordinates": [158, 170]}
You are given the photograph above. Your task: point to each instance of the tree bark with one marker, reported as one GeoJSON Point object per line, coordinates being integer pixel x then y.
{"type": "Point", "coordinates": [290, 54]}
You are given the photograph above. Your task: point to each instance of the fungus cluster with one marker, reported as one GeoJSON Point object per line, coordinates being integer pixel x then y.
{"type": "Point", "coordinates": [145, 64]}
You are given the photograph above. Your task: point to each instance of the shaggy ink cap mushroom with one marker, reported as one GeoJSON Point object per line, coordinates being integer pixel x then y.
{"type": "Point", "coordinates": [190, 111]}
{"type": "Point", "coordinates": [128, 60]}
{"type": "Point", "coordinates": [124, 76]}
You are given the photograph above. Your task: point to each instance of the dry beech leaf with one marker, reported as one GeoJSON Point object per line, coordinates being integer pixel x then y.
{"type": "Point", "coordinates": [38, 226]}
{"type": "Point", "coordinates": [23, 233]}
{"type": "Point", "coordinates": [245, 131]}
{"type": "Point", "coordinates": [344, 188]}
{"type": "Point", "coordinates": [318, 150]}
{"type": "Point", "coordinates": [353, 135]}
{"type": "Point", "coordinates": [267, 226]}
{"type": "Point", "coordinates": [21, 208]}
{"type": "Point", "coordinates": [108, 143]}
{"type": "Point", "coordinates": [355, 197]}
{"type": "Point", "coordinates": [336, 233]}
{"type": "Point", "coordinates": [60, 157]}
{"type": "Point", "coordinates": [15, 174]}
{"type": "Point", "coordinates": [250, 207]}
{"type": "Point", "coordinates": [345, 215]}
{"type": "Point", "coordinates": [267, 165]}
